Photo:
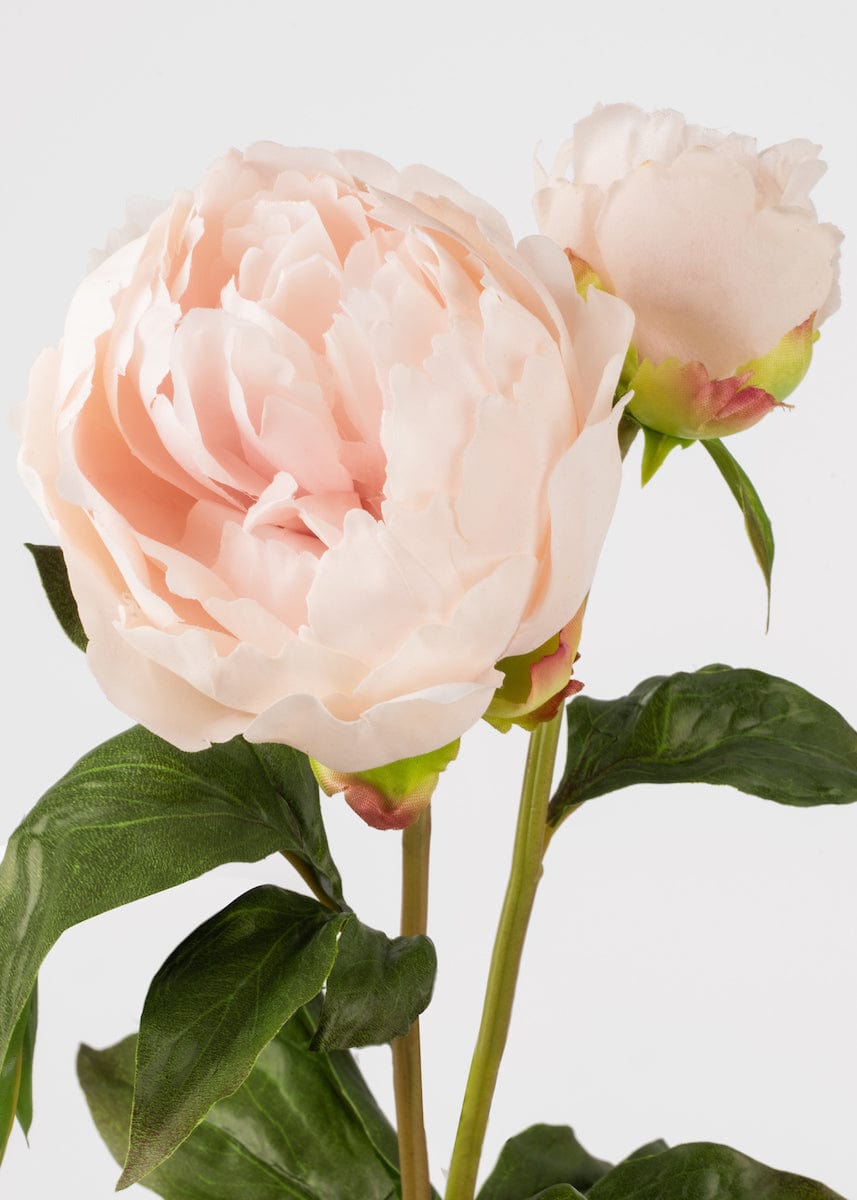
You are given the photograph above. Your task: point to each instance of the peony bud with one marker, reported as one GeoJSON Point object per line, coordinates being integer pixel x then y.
{"type": "Point", "coordinates": [390, 797]}
{"type": "Point", "coordinates": [716, 247]}
{"type": "Point", "coordinates": [536, 684]}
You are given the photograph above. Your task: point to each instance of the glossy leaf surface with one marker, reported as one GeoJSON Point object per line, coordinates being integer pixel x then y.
{"type": "Point", "coordinates": [755, 732]}
{"type": "Point", "coordinates": [704, 1171]}
{"type": "Point", "coordinates": [136, 816]}
{"type": "Point", "coordinates": [542, 1157]}
{"type": "Point", "coordinates": [303, 1126]}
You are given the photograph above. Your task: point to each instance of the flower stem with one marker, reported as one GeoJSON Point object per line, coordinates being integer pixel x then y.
{"type": "Point", "coordinates": [407, 1068]}
{"type": "Point", "coordinates": [506, 960]}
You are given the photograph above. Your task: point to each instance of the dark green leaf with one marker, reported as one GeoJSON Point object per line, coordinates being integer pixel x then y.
{"type": "Point", "coordinates": [562, 1191]}
{"type": "Point", "coordinates": [377, 989]}
{"type": "Point", "coordinates": [291, 776]}
{"type": "Point", "coordinates": [543, 1156]}
{"type": "Point", "coordinates": [756, 519]}
{"type": "Point", "coordinates": [755, 732]}
{"type": "Point", "coordinates": [16, 1075]}
{"type": "Point", "coordinates": [656, 1147]}
{"type": "Point", "coordinates": [303, 1126]}
{"type": "Point", "coordinates": [30, 1017]}
{"type": "Point", "coordinates": [136, 816]}
{"type": "Point", "coordinates": [54, 576]}
{"type": "Point", "coordinates": [704, 1171]}
{"type": "Point", "coordinates": [215, 1004]}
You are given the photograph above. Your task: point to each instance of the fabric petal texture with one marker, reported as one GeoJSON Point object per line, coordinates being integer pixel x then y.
{"type": "Point", "coordinates": [717, 248]}
{"type": "Point", "coordinates": [322, 446]}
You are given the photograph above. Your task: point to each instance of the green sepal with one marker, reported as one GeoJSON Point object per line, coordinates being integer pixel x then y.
{"type": "Point", "coordinates": [628, 430]}
{"type": "Point", "coordinates": [136, 816]}
{"type": "Point", "coordinates": [54, 576]}
{"type": "Point", "coordinates": [755, 732]}
{"type": "Point", "coordinates": [542, 1157]}
{"type": "Point", "coordinates": [399, 780]}
{"type": "Point", "coordinates": [781, 370]}
{"type": "Point", "coordinates": [392, 796]}
{"type": "Point", "coordinates": [756, 521]}
{"type": "Point", "coordinates": [656, 447]}
{"type": "Point", "coordinates": [303, 1126]}
{"type": "Point", "coordinates": [704, 1171]}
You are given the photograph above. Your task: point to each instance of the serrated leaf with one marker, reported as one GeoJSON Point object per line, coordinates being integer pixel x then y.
{"type": "Point", "coordinates": [136, 816]}
{"type": "Point", "coordinates": [752, 731]}
{"type": "Point", "coordinates": [303, 1126]}
{"type": "Point", "coordinates": [377, 988]}
{"type": "Point", "coordinates": [16, 1075]}
{"type": "Point", "coordinates": [214, 1005]}
{"type": "Point", "coordinates": [54, 576]}
{"type": "Point", "coordinates": [756, 520]}
{"type": "Point", "coordinates": [703, 1171]}
{"type": "Point", "coordinates": [543, 1156]}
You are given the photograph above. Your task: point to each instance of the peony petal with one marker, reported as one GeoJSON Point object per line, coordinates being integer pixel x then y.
{"type": "Point", "coordinates": [677, 239]}
{"type": "Point", "coordinates": [400, 728]}
{"type": "Point", "coordinates": [582, 495]}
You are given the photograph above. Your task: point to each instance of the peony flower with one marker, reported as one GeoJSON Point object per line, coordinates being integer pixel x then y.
{"type": "Point", "coordinates": [716, 247]}
{"type": "Point", "coordinates": [321, 448]}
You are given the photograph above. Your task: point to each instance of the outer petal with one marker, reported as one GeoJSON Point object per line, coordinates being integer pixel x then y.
{"type": "Point", "coordinates": [616, 138]}
{"type": "Point", "coordinates": [405, 727]}
{"type": "Point", "coordinates": [710, 276]}
{"type": "Point", "coordinates": [582, 496]}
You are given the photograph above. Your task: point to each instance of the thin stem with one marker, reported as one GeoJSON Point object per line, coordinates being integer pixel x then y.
{"type": "Point", "coordinates": [506, 960]}
{"type": "Point", "coordinates": [407, 1067]}
{"type": "Point", "coordinates": [308, 876]}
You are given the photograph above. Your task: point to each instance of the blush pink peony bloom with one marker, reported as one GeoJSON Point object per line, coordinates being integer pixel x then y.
{"type": "Point", "coordinates": [716, 247]}
{"type": "Point", "coordinates": [322, 447]}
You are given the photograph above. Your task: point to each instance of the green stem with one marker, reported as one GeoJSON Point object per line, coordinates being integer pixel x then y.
{"type": "Point", "coordinates": [506, 960]}
{"type": "Point", "coordinates": [407, 1066]}
{"type": "Point", "coordinates": [309, 877]}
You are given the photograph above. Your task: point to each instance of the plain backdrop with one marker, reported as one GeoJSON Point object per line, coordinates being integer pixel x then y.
{"type": "Point", "coordinates": [692, 971]}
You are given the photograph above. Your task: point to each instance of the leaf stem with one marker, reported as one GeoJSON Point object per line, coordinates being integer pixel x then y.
{"type": "Point", "coordinates": [524, 878]}
{"type": "Point", "coordinates": [310, 878]}
{"type": "Point", "coordinates": [407, 1066]}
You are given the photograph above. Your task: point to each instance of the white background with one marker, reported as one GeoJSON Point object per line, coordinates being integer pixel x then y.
{"type": "Point", "coordinates": [692, 965]}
